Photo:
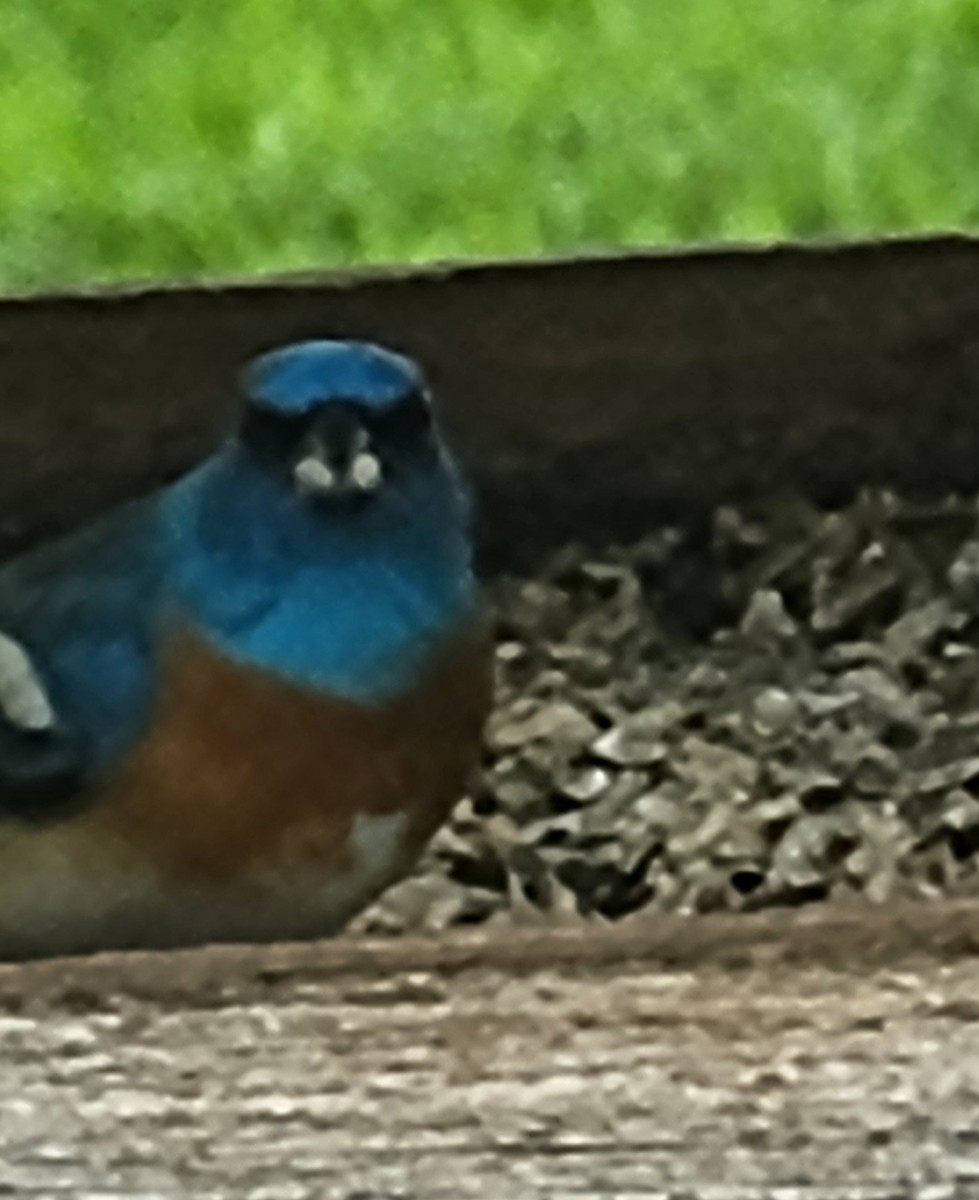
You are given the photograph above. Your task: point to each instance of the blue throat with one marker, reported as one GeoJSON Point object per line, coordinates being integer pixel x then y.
{"type": "Point", "coordinates": [351, 603]}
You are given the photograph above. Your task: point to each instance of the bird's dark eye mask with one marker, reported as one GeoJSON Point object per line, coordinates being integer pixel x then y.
{"type": "Point", "coordinates": [271, 434]}
{"type": "Point", "coordinates": [402, 423]}
{"type": "Point", "coordinates": [276, 435]}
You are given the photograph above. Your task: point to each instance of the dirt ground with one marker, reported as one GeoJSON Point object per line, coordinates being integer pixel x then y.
{"type": "Point", "coordinates": [829, 1053]}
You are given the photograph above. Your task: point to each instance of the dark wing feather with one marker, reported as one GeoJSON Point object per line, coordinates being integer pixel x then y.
{"type": "Point", "coordinates": [85, 611]}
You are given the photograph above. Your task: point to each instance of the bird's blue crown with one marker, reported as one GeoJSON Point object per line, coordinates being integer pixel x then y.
{"type": "Point", "coordinates": [295, 378]}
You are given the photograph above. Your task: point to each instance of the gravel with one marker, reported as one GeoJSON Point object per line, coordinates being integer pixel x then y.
{"type": "Point", "coordinates": [775, 710]}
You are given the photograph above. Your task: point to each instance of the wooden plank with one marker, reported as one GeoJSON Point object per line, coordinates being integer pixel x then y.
{"type": "Point", "coordinates": [588, 397]}
{"type": "Point", "coordinates": [818, 1055]}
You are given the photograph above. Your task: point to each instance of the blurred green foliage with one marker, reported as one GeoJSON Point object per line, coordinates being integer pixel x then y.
{"type": "Point", "coordinates": [180, 137]}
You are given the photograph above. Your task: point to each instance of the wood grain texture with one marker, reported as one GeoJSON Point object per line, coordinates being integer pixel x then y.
{"type": "Point", "coordinates": [825, 1055]}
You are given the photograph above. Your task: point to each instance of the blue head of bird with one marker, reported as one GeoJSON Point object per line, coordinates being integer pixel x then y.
{"type": "Point", "coordinates": [328, 540]}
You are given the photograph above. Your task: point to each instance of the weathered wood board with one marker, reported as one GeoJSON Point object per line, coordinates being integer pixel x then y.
{"type": "Point", "coordinates": [826, 1054]}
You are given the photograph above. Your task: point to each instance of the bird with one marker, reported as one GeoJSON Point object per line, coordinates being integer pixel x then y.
{"type": "Point", "coordinates": [237, 708]}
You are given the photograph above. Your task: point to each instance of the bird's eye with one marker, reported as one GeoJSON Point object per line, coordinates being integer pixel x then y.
{"type": "Point", "coordinates": [408, 420]}
{"type": "Point", "coordinates": [271, 434]}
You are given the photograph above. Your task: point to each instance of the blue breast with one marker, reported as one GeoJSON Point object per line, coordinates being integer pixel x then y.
{"type": "Point", "coordinates": [87, 609]}
{"type": "Point", "coordinates": [352, 605]}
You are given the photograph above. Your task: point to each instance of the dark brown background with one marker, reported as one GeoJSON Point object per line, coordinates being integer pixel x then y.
{"type": "Point", "coordinates": [587, 397]}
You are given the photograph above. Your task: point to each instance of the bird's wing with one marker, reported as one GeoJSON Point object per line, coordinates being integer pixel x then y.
{"type": "Point", "coordinates": [77, 634]}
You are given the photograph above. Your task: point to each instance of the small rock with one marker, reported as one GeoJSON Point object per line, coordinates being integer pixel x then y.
{"type": "Point", "coordinates": [731, 529]}
{"type": "Point", "coordinates": [530, 609]}
{"type": "Point", "coordinates": [587, 665]}
{"type": "Point", "coordinates": [722, 767]}
{"type": "Point", "coordinates": [656, 811]}
{"type": "Point", "coordinates": [915, 631]}
{"type": "Point", "coordinates": [773, 817]}
{"type": "Point", "coordinates": [818, 790]}
{"type": "Point", "coordinates": [742, 842]}
{"type": "Point", "coordinates": [958, 652]}
{"type": "Point", "coordinates": [960, 817]}
{"type": "Point", "coordinates": [474, 864]}
{"type": "Point", "coordinates": [843, 656]}
{"type": "Point", "coordinates": [826, 704]}
{"type": "Point", "coordinates": [560, 722]}
{"type": "Point", "coordinates": [518, 796]}
{"type": "Point", "coordinates": [553, 832]}
{"type": "Point", "coordinates": [862, 600]}
{"type": "Point", "coordinates": [883, 697]}
{"type": "Point", "coordinates": [655, 550]}
{"type": "Point", "coordinates": [715, 826]}
{"type": "Point", "coordinates": [775, 711]}
{"type": "Point", "coordinates": [706, 679]}
{"type": "Point", "coordinates": [960, 811]}
{"type": "Point", "coordinates": [618, 801]}
{"type": "Point", "coordinates": [876, 771]}
{"type": "Point", "coordinates": [963, 576]}
{"type": "Point", "coordinates": [510, 652]}
{"type": "Point", "coordinates": [938, 779]}
{"type": "Point", "coordinates": [810, 847]}
{"type": "Point", "coordinates": [632, 743]}
{"type": "Point", "coordinates": [427, 901]}
{"type": "Point", "coordinates": [583, 785]}
{"type": "Point", "coordinates": [765, 620]}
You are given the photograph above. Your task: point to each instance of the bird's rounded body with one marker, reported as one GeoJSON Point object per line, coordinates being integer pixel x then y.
{"type": "Point", "coordinates": [214, 828]}
{"type": "Point", "coordinates": [261, 708]}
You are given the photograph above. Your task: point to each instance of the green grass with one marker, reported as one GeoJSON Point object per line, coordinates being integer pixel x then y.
{"type": "Point", "coordinates": [184, 137]}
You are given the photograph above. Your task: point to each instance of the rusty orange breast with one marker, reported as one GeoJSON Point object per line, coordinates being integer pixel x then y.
{"type": "Point", "coordinates": [243, 772]}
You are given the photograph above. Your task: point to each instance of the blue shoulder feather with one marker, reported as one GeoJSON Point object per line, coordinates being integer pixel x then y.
{"type": "Point", "coordinates": [85, 609]}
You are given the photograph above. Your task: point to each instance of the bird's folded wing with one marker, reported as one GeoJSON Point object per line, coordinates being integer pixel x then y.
{"type": "Point", "coordinates": [77, 628]}
{"type": "Point", "coordinates": [41, 770]}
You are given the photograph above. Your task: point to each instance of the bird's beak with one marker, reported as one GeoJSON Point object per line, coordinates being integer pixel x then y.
{"type": "Point", "coordinates": [315, 476]}
{"type": "Point", "coordinates": [338, 460]}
